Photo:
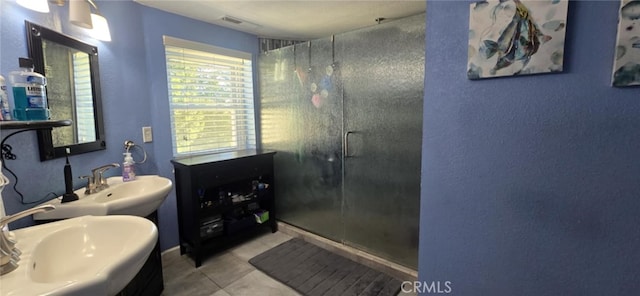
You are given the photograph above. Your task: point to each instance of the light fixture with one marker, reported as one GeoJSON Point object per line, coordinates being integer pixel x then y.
{"type": "Point", "coordinates": [80, 13]}
{"type": "Point", "coordinates": [36, 5]}
{"type": "Point", "coordinates": [100, 29]}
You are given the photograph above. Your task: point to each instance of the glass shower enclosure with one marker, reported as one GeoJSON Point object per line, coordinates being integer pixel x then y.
{"type": "Point", "coordinates": [345, 115]}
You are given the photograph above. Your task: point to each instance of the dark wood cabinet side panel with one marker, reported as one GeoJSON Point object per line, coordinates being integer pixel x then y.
{"type": "Point", "coordinates": [185, 204]}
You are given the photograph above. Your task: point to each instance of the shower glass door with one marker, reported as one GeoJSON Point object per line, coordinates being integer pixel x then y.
{"type": "Point", "coordinates": [383, 137]}
{"type": "Point", "coordinates": [301, 118]}
{"type": "Point", "coordinates": [345, 115]}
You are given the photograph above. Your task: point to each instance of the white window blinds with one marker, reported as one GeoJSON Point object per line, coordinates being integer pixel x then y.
{"type": "Point", "coordinates": [210, 96]}
{"type": "Point", "coordinates": [84, 98]}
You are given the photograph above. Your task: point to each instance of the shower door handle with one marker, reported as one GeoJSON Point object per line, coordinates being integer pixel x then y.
{"type": "Point", "coordinates": [346, 144]}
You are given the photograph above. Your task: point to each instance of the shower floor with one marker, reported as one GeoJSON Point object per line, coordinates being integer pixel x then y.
{"type": "Point", "coordinates": [358, 255]}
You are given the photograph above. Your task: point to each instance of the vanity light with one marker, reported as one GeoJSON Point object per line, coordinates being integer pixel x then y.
{"type": "Point", "coordinates": [100, 29]}
{"type": "Point", "coordinates": [36, 5]}
{"type": "Point", "coordinates": [80, 14]}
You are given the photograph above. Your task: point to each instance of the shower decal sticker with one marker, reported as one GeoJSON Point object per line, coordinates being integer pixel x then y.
{"type": "Point", "coordinates": [516, 37]}
{"type": "Point", "coordinates": [626, 67]}
{"type": "Point", "coordinates": [320, 91]}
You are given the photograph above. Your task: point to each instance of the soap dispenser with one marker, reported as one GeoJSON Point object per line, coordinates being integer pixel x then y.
{"type": "Point", "coordinates": [128, 171]}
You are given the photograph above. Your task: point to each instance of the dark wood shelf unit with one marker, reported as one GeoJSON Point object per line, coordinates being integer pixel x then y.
{"type": "Point", "coordinates": [204, 186]}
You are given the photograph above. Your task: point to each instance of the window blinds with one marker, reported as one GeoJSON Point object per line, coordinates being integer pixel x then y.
{"type": "Point", "coordinates": [84, 98]}
{"type": "Point", "coordinates": [210, 97]}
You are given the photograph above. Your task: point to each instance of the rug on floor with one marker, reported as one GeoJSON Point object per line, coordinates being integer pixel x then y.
{"type": "Point", "coordinates": [312, 271]}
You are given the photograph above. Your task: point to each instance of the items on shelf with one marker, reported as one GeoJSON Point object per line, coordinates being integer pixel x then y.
{"type": "Point", "coordinates": [261, 216]}
{"type": "Point", "coordinates": [237, 194]}
{"type": "Point", "coordinates": [211, 227]}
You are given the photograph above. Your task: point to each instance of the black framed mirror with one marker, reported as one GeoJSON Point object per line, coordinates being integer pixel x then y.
{"type": "Point", "coordinates": [73, 92]}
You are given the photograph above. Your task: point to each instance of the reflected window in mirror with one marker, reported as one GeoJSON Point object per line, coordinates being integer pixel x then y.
{"type": "Point", "coordinates": [73, 91]}
{"type": "Point", "coordinates": [69, 77]}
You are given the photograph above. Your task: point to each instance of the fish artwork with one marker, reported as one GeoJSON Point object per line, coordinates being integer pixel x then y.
{"type": "Point", "coordinates": [508, 37]}
{"type": "Point", "coordinates": [626, 65]}
{"type": "Point", "coordinates": [519, 40]}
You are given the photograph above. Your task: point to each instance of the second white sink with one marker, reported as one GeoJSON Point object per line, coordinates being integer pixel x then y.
{"type": "Point", "coordinates": [80, 256]}
{"type": "Point", "coordinates": [138, 198]}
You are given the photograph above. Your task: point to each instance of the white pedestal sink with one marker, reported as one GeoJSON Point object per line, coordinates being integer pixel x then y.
{"type": "Point", "coordinates": [87, 255]}
{"type": "Point", "coordinates": [138, 198]}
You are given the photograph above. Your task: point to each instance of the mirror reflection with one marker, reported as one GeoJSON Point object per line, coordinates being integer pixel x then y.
{"type": "Point", "coordinates": [73, 91]}
{"type": "Point", "coordinates": [69, 93]}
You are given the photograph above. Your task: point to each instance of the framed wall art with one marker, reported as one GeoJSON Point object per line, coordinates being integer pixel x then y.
{"type": "Point", "coordinates": [626, 66]}
{"type": "Point", "coordinates": [516, 37]}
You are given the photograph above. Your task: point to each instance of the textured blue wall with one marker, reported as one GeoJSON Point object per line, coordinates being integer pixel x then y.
{"type": "Point", "coordinates": [531, 184]}
{"type": "Point", "coordinates": [122, 104]}
{"type": "Point", "coordinates": [157, 23]}
{"type": "Point", "coordinates": [134, 94]}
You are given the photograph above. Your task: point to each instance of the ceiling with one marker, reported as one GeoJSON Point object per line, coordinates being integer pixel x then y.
{"type": "Point", "coordinates": [293, 19]}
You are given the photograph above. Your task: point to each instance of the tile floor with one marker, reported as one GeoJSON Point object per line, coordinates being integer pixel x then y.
{"type": "Point", "coordinates": [227, 273]}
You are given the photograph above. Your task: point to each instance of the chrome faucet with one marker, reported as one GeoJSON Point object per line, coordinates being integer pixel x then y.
{"type": "Point", "coordinates": [96, 181]}
{"type": "Point", "coordinates": [9, 254]}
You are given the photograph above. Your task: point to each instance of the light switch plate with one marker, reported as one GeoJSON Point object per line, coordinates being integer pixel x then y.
{"type": "Point", "coordinates": [147, 134]}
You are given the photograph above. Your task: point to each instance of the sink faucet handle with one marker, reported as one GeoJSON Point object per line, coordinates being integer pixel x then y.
{"type": "Point", "coordinates": [91, 184]}
{"type": "Point", "coordinates": [89, 178]}
{"type": "Point", "coordinates": [8, 219]}
{"type": "Point", "coordinates": [101, 169]}
{"type": "Point", "coordinates": [98, 177]}
{"type": "Point", "coordinates": [96, 181]}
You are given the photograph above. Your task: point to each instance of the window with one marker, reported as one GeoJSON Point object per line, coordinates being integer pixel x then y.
{"type": "Point", "coordinates": [210, 98]}
{"type": "Point", "coordinates": [84, 98]}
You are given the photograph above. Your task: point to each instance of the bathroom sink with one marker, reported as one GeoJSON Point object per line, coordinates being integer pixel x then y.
{"type": "Point", "coordinates": [90, 255]}
{"type": "Point", "coordinates": [138, 198]}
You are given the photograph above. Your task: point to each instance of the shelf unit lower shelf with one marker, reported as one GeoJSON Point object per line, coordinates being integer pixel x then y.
{"type": "Point", "coordinates": [199, 250]}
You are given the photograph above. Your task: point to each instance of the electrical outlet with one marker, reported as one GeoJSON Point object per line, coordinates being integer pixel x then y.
{"type": "Point", "coordinates": [147, 134]}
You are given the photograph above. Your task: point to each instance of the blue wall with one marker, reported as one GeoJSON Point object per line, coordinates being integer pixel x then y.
{"type": "Point", "coordinates": [155, 24]}
{"type": "Point", "coordinates": [133, 80]}
{"type": "Point", "coordinates": [531, 184]}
